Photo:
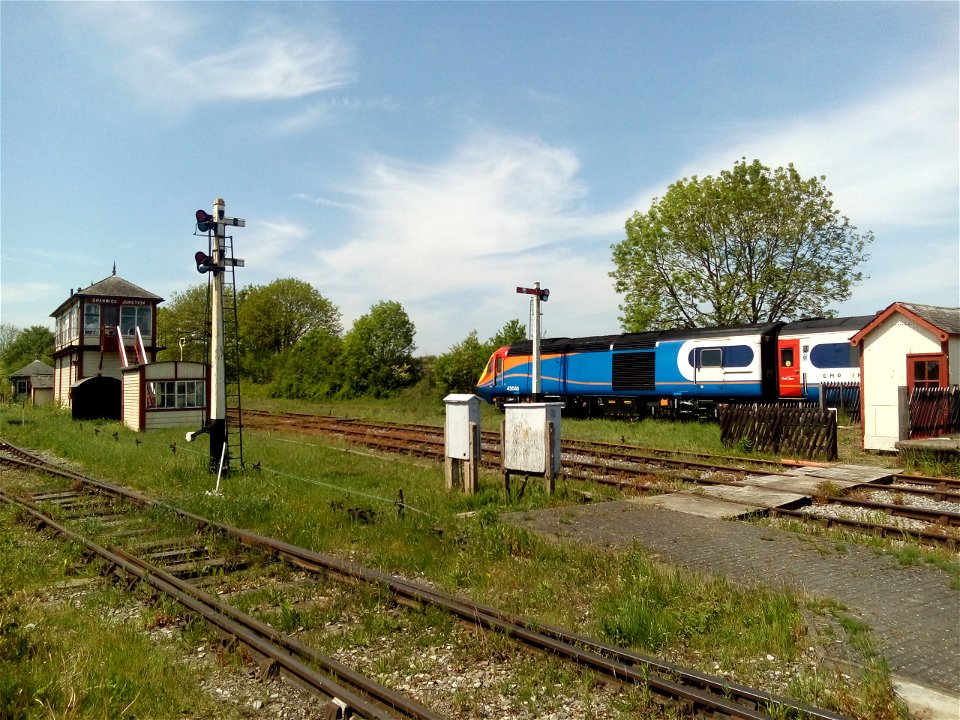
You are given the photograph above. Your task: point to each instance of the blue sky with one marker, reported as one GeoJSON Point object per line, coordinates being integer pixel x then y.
{"type": "Point", "coordinates": [441, 154]}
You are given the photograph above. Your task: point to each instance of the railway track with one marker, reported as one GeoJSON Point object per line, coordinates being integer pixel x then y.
{"type": "Point", "coordinates": [639, 469]}
{"type": "Point", "coordinates": [186, 563]}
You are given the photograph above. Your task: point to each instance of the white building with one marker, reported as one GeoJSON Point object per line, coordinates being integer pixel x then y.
{"type": "Point", "coordinates": [905, 346]}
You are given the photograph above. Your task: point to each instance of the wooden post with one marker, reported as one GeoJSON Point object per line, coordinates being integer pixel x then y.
{"type": "Point", "coordinates": [903, 412]}
{"type": "Point", "coordinates": [503, 458]}
{"type": "Point", "coordinates": [450, 472]}
{"type": "Point", "coordinates": [472, 469]}
{"type": "Point", "coordinates": [549, 478]}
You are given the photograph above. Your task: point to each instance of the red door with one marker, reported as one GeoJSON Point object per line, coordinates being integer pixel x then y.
{"type": "Point", "coordinates": [788, 354]}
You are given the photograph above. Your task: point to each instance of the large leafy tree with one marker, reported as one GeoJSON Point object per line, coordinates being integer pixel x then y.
{"type": "Point", "coordinates": [752, 245]}
{"type": "Point", "coordinates": [274, 317]}
{"type": "Point", "coordinates": [33, 343]}
{"type": "Point", "coordinates": [378, 351]}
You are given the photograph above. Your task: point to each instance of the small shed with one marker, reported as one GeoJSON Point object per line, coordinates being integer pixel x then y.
{"type": "Point", "coordinates": [33, 383]}
{"type": "Point", "coordinates": [166, 395]}
{"type": "Point", "coordinates": [907, 345]}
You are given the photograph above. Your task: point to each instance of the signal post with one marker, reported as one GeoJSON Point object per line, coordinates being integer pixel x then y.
{"type": "Point", "coordinates": [215, 227]}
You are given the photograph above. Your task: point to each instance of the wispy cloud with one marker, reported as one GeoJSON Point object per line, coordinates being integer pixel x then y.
{"type": "Point", "coordinates": [175, 56]}
{"type": "Point", "coordinates": [890, 158]}
{"type": "Point", "coordinates": [501, 210]}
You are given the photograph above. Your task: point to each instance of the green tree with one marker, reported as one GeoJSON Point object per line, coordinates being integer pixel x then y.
{"type": "Point", "coordinates": [185, 317]}
{"type": "Point", "coordinates": [513, 331]}
{"type": "Point", "coordinates": [311, 369]}
{"type": "Point", "coordinates": [457, 370]}
{"type": "Point", "coordinates": [274, 317]}
{"type": "Point", "coordinates": [34, 343]}
{"type": "Point", "coordinates": [752, 245]}
{"type": "Point", "coordinates": [378, 351]}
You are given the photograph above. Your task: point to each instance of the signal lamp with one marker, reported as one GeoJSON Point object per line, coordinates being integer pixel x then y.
{"type": "Point", "coordinates": [205, 263]}
{"type": "Point", "coordinates": [205, 221]}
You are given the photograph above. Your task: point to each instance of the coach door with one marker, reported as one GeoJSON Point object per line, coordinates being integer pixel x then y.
{"type": "Point", "coordinates": [788, 357]}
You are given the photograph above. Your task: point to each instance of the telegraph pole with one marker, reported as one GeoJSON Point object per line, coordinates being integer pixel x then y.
{"type": "Point", "coordinates": [538, 296]}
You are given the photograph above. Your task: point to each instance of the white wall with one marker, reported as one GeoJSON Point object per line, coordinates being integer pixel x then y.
{"type": "Point", "coordinates": [885, 351]}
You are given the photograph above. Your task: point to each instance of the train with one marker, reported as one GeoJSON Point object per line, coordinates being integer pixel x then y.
{"type": "Point", "coordinates": [681, 373]}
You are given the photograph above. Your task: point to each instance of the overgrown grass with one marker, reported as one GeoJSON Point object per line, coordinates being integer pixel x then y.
{"type": "Point", "coordinates": [61, 657]}
{"type": "Point", "coordinates": [333, 498]}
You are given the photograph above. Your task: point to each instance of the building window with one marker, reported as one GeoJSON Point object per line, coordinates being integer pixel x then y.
{"type": "Point", "coordinates": [136, 316]}
{"type": "Point", "coordinates": [23, 387]}
{"type": "Point", "coordinates": [925, 371]}
{"type": "Point", "coordinates": [181, 394]}
{"type": "Point", "coordinates": [91, 319]}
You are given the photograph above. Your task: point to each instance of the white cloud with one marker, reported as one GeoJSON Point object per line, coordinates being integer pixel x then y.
{"type": "Point", "coordinates": [175, 56]}
{"type": "Point", "coordinates": [501, 211]}
{"type": "Point", "coordinates": [891, 158]}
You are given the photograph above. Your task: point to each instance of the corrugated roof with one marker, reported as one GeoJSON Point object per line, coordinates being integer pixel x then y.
{"type": "Point", "coordinates": [945, 318]}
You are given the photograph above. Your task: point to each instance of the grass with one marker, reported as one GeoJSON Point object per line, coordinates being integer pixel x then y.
{"type": "Point", "coordinates": [61, 656]}
{"type": "Point", "coordinates": [309, 491]}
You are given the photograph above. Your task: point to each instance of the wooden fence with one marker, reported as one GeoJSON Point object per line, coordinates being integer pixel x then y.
{"type": "Point", "coordinates": [845, 397]}
{"type": "Point", "coordinates": [799, 430]}
{"type": "Point", "coordinates": [934, 411]}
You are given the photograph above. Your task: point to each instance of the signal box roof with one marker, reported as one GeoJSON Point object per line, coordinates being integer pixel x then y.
{"type": "Point", "coordinates": [113, 287]}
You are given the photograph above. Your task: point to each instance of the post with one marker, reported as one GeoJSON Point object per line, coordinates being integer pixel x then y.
{"type": "Point", "coordinates": [218, 391]}
{"type": "Point", "coordinates": [537, 384]}
{"type": "Point", "coordinates": [903, 412]}
{"type": "Point", "coordinates": [503, 458]}
{"type": "Point", "coordinates": [550, 484]}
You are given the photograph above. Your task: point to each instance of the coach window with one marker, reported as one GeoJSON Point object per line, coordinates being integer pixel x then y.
{"type": "Point", "coordinates": [712, 357]}
{"type": "Point", "coordinates": [834, 355]}
{"type": "Point", "coordinates": [737, 356]}
{"type": "Point", "coordinates": [786, 357]}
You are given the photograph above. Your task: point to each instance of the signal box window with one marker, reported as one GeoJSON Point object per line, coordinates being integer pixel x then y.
{"type": "Point", "coordinates": [132, 316]}
{"type": "Point", "coordinates": [91, 319]}
{"type": "Point", "coordinates": [180, 394]}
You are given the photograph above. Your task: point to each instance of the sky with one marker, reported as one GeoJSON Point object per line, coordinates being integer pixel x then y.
{"type": "Point", "coordinates": [442, 154]}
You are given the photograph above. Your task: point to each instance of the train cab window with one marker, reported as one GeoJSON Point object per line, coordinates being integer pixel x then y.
{"type": "Point", "coordinates": [834, 355]}
{"type": "Point", "coordinates": [786, 357]}
{"type": "Point", "coordinates": [499, 371]}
